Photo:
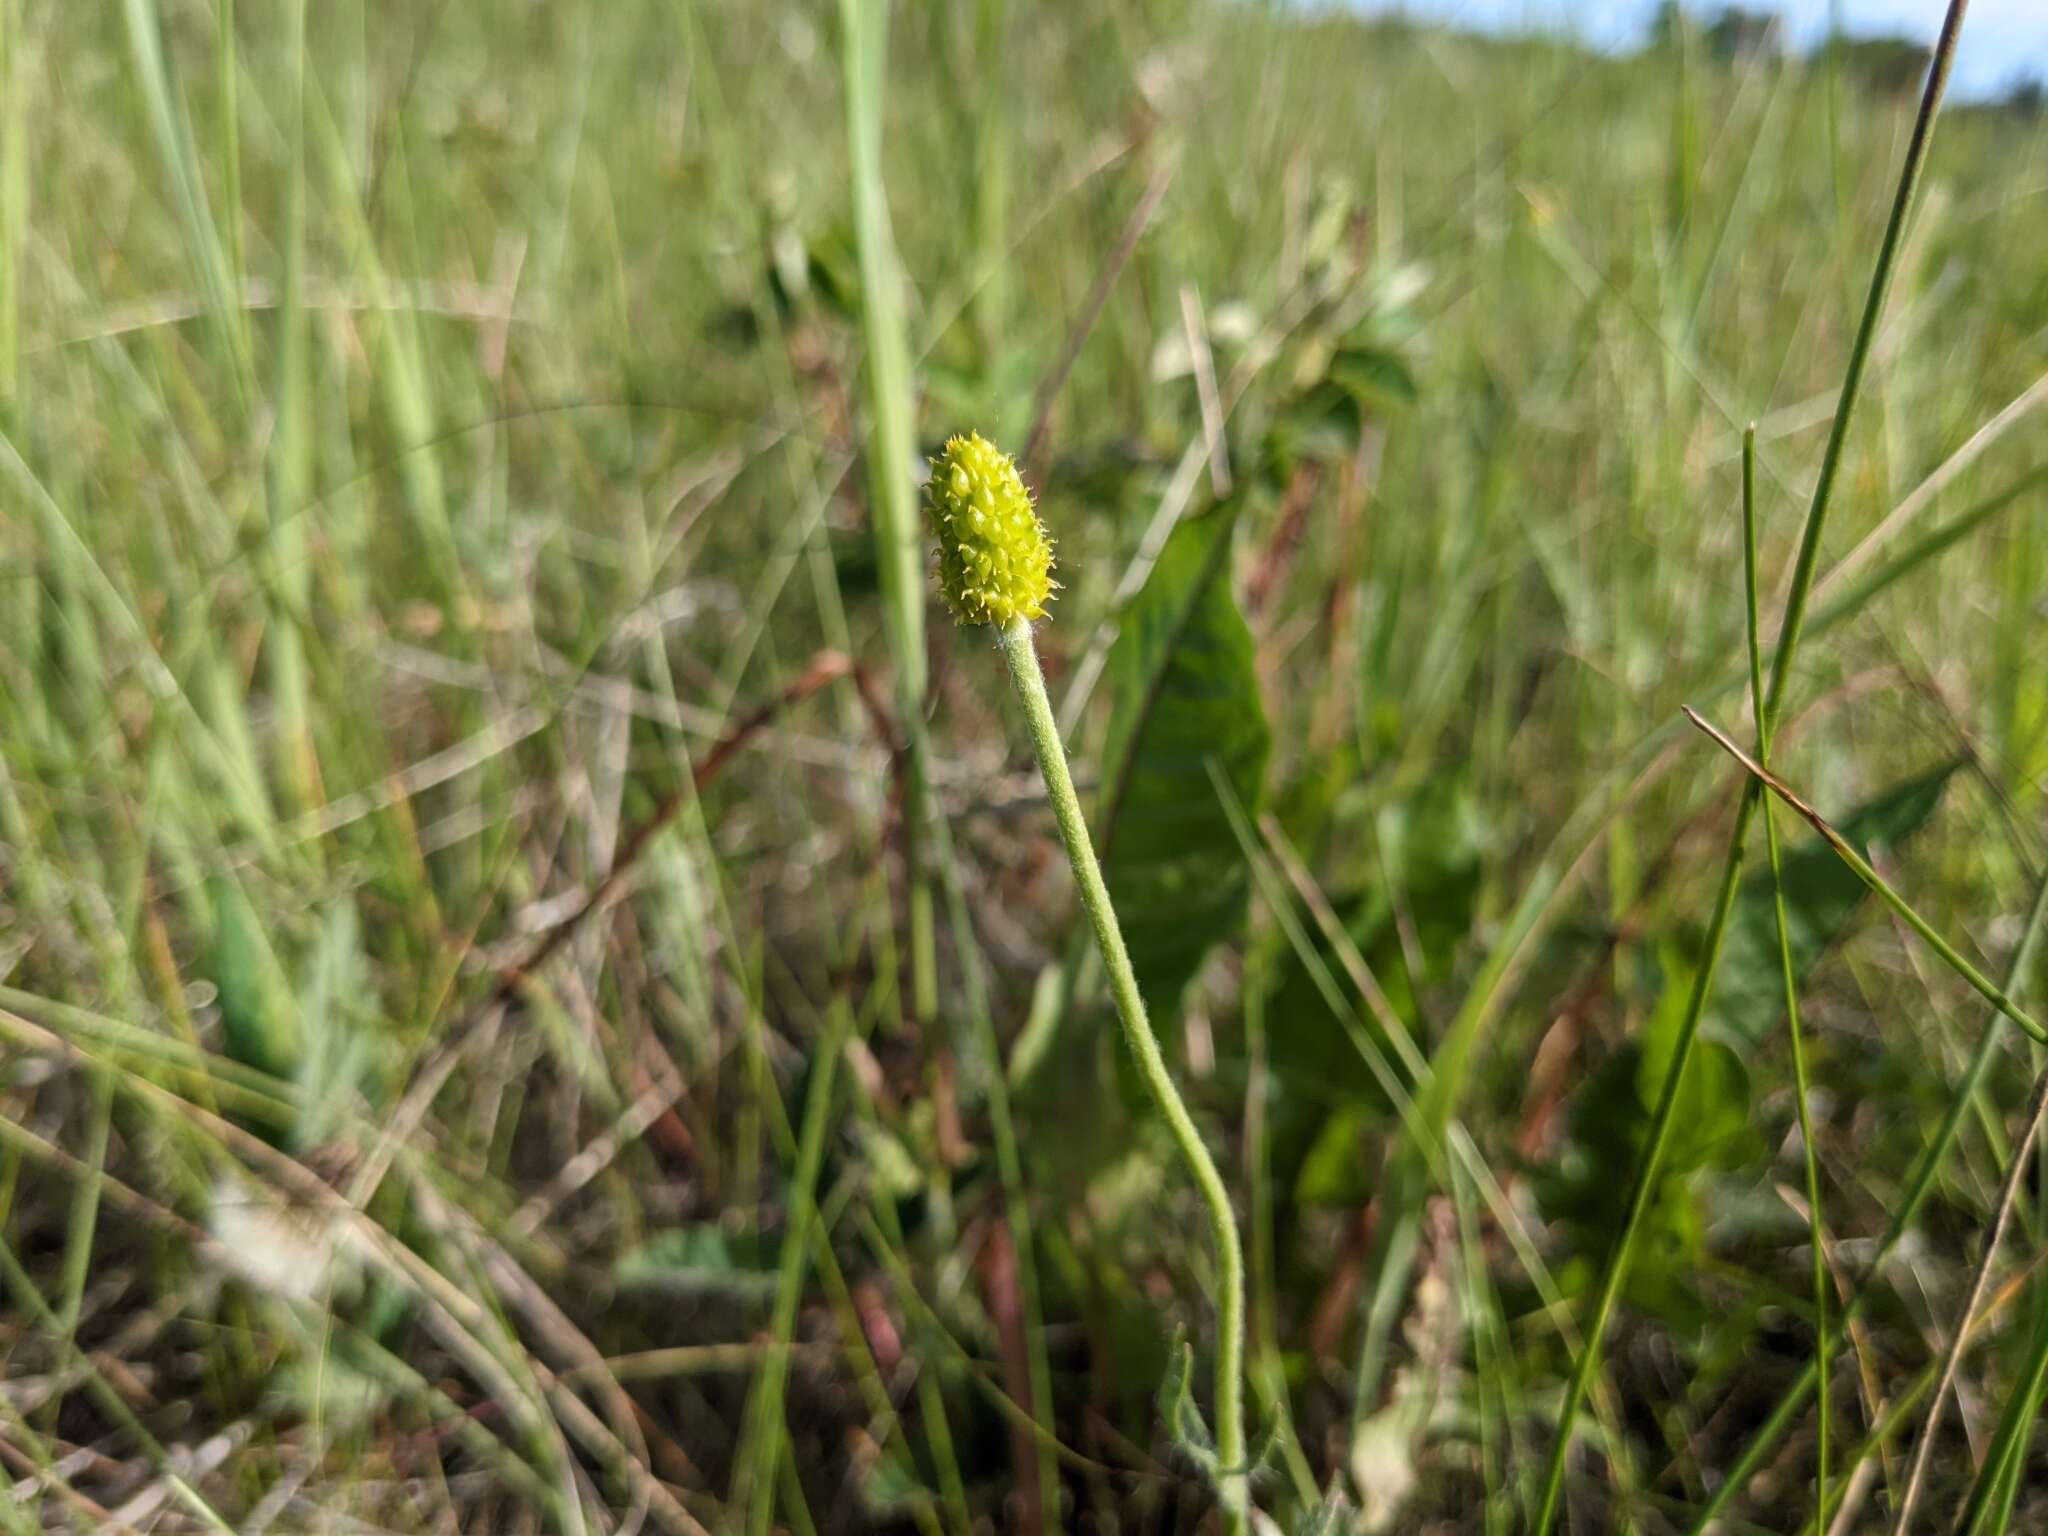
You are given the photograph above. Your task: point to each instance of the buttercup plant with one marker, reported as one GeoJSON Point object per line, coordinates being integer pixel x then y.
{"type": "Point", "coordinates": [995, 568]}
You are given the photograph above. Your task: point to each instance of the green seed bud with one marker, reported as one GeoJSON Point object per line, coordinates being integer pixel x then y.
{"type": "Point", "coordinates": [995, 561]}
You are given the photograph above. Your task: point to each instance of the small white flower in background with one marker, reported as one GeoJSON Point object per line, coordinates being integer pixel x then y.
{"type": "Point", "coordinates": [1167, 76]}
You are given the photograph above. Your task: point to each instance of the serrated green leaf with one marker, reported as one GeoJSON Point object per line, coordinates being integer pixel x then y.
{"type": "Point", "coordinates": [1186, 693]}
{"type": "Point", "coordinates": [695, 1260]}
{"type": "Point", "coordinates": [1177, 1408]}
{"type": "Point", "coordinates": [1588, 1187]}
{"type": "Point", "coordinates": [258, 1013]}
{"type": "Point", "coordinates": [1333, 1517]}
{"type": "Point", "coordinates": [1373, 376]}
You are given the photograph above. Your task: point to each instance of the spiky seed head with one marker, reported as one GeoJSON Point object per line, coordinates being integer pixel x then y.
{"type": "Point", "coordinates": [995, 561]}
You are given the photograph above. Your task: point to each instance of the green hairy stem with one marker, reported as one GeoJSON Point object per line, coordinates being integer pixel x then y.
{"type": "Point", "coordinates": [1234, 1486]}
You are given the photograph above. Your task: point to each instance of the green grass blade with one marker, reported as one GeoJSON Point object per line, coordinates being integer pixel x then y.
{"type": "Point", "coordinates": [892, 448]}
{"type": "Point", "coordinates": [289, 473]}
{"type": "Point", "coordinates": [179, 156]}
{"type": "Point", "coordinates": [14, 96]}
{"type": "Point", "coordinates": [1989, 1506]}
{"type": "Point", "coordinates": [765, 1427]}
{"type": "Point", "coordinates": [1991, 992]}
{"type": "Point", "coordinates": [1788, 647]}
{"type": "Point", "coordinates": [226, 82]}
{"type": "Point", "coordinates": [21, 1284]}
{"type": "Point", "coordinates": [1918, 1188]}
{"type": "Point", "coordinates": [1817, 1235]}
{"type": "Point", "coordinates": [1010, 1168]}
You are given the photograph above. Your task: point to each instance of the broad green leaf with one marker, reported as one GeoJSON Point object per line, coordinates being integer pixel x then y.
{"type": "Point", "coordinates": [1186, 695]}
{"type": "Point", "coordinates": [1373, 375]}
{"type": "Point", "coordinates": [1821, 894]}
{"type": "Point", "coordinates": [1336, 1172]}
{"type": "Point", "coordinates": [893, 1173]}
{"type": "Point", "coordinates": [1427, 849]}
{"type": "Point", "coordinates": [332, 1389]}
{"type": "Point", "coordinates": [694, 1261]}
{"type": "Point", "coordinates": [1713, 1101]}
{"type": "Point", "coordinates": [892, 1487]}
{"type": "Point", "coordinates": [1362, 380]}
{"type": "Point", "coordinates": [1587, 1189]}
{"type": "Point", "coordinates": [258, 1013]}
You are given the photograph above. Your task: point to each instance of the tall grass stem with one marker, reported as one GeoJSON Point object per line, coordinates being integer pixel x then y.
{"type": "Point", "coordinates": [1800, 1085]}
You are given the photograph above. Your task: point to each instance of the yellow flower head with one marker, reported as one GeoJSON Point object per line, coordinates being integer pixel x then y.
{"type": "Point", "coordinates": [995, 561]}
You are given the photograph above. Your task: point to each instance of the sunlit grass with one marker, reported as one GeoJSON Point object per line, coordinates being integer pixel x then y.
{"type": "Point", "coordinates": [537, 993]}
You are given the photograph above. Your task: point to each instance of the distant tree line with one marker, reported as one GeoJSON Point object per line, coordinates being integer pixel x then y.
{"type": "Point", "coordinates": [1889, 64]}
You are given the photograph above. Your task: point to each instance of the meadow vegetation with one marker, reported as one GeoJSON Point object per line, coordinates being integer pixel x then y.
{"type": "Point", "coordinates": [538, 987]}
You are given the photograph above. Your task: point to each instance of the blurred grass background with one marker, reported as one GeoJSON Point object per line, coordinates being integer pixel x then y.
{"type": "Point", "coordinates": [537, 992]}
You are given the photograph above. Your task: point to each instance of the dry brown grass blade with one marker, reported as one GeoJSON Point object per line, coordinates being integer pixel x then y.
{"type": "Point", "coordinates": [2001, 1217]}
{"type": "Point", "coordinates": [825, 668]}
{"type": "Point", "coordinates": [1033, 457]}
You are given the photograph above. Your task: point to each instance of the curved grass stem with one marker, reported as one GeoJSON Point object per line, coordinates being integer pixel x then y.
{"type": "Point", "coordinates": [1999, 997]}
{"type": "Point", "coordinates": [1020, 652]}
